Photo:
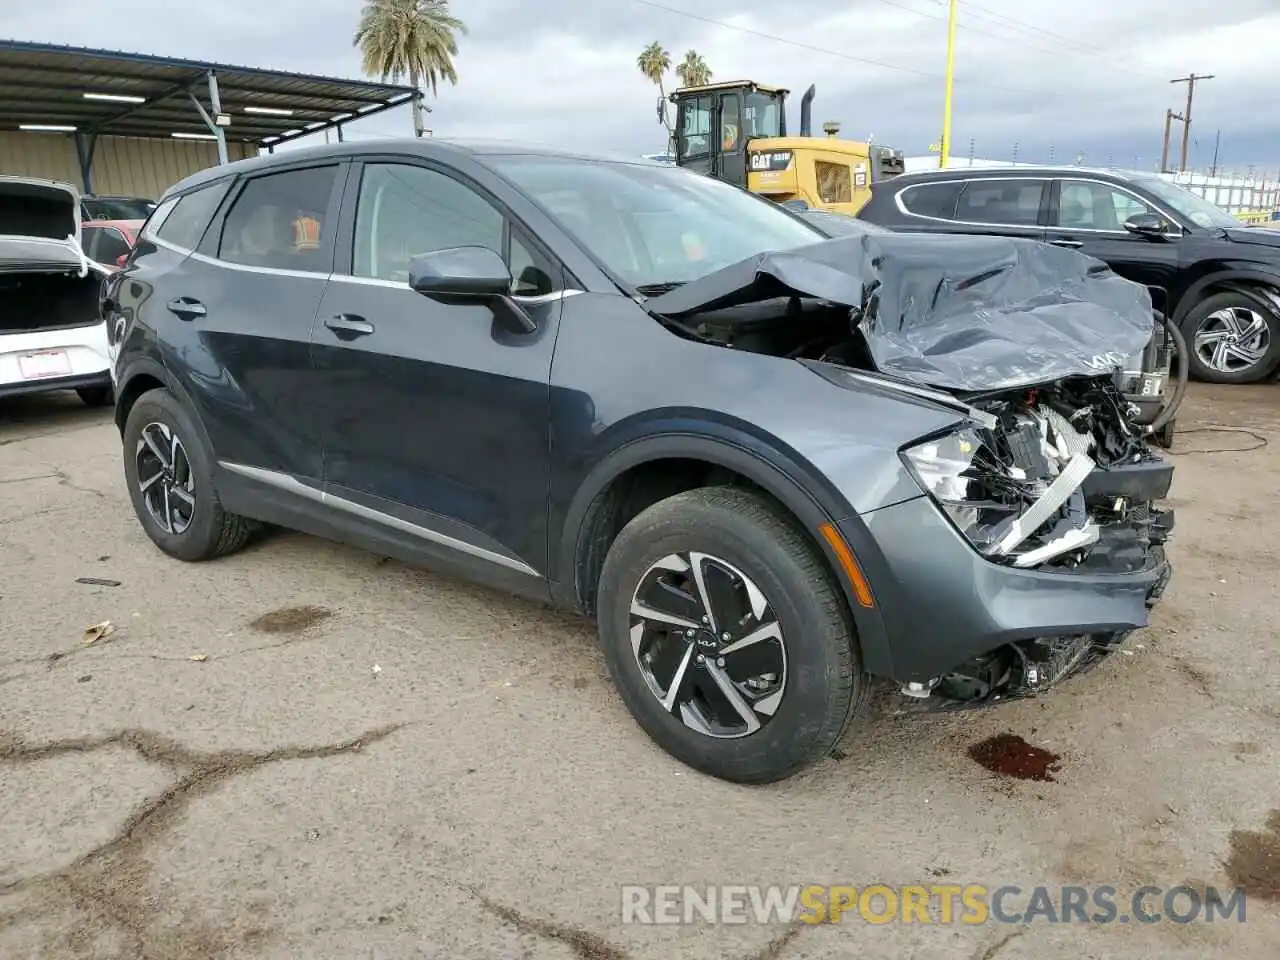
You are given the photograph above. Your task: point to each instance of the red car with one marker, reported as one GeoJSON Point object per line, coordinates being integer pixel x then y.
{"type": "Point", "coordinates": [109, 241]}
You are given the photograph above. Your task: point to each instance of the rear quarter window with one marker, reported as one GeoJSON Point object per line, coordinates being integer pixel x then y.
{"type": "Point", "coordinates": [931, 199]}
{"type": "Point", "coordinates": [185, 222]}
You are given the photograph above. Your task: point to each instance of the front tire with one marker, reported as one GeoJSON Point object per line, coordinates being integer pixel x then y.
{"type": "Point", "coordinates": [1232, 338]}
{"type": "Point", "coordinates": [169, 470]}
{"type": "Point", "coordinates": [727, 636]}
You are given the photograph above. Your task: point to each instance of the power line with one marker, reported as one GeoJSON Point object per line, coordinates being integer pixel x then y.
{"type": "Point", "coordinates": [824, 50]}
{"type": "Point", "coordinates": [1011, 24]}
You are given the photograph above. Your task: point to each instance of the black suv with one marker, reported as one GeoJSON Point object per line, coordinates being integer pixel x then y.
{"type": "Point", "coordinates": [637, 393]}
{"type": "Point", "coordinates": [1218, 279]}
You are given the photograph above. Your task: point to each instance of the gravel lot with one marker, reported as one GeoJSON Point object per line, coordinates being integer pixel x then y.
{"type": "Point", "coordinates": [303, 750]}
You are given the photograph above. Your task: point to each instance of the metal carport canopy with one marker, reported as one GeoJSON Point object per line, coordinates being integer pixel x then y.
{"type": "Point", "coordinates": [93, 93]}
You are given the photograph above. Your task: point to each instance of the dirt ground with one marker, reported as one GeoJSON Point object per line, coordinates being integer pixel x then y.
{"type": "Point", "coordinates": [304, 750]}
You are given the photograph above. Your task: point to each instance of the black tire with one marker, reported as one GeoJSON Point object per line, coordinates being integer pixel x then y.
{"type": "Point", "coordinates": [1200, 314]}
{"type": "Point", "coordinates": [95, 396]}
{"type": "Point", "coordinates": [825, 686]}
{"type": "Point", "coordinates": [212, 531]}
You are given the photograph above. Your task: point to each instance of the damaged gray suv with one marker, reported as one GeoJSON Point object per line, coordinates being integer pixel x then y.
{"type": "Point", "coordinates": [772, 465]}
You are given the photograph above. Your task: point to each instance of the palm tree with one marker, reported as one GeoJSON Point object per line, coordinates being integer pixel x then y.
{"type": "Point", "coordinates": [409, 37]}
{"type": "Point", "coordinates": [654, 62]}
{"type": "Point", "coordinates": [693, 70]}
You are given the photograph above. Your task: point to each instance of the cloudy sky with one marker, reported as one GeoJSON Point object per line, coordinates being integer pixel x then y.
{"type": "Point", "coordinates": [1086, 76]}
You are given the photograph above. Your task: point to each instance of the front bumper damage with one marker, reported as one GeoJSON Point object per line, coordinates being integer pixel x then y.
{"type": "Point", "coordinates": [1010, 598]}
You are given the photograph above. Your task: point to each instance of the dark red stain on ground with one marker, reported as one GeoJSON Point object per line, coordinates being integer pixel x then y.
{"type": "Point", "coordinates": [1010, 756]}
{"type": "Point", "coordinates": [1254, 863]}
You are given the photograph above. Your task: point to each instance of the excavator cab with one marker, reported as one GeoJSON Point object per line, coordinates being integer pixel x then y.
{"type": "Point", "coordinates": [714, 122]}
{"type": "Point", "coordinates": [738, 132]}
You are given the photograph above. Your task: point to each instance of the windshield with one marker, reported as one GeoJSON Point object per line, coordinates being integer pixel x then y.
{"type": "Point", "coordinates": [654, 226]}
{"type": "Point", "coordinates": [1196, 209]}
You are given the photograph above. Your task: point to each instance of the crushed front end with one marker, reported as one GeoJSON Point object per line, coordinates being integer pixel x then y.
{"type": "Point", "coordinates": [1058, 481]}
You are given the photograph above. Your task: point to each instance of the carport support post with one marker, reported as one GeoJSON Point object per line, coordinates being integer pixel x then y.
{"type": "Point", "coordinates": [86, 143]}
{"type": "Point", "coordinates": [339, 133]}
{"type": "Point", "coordinates": [216, 102]}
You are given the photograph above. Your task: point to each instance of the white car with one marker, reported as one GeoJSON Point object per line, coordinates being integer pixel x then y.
{"type": "Point", "coordinates": [51, 334]}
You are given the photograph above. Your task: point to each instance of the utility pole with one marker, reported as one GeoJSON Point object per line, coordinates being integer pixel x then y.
{"type": "Point", "coordinates": [1190, 81]}
{"type": "Point", "coordinates": [945, 152]}
{"type": "Point", "coordinates": [1169, 117]}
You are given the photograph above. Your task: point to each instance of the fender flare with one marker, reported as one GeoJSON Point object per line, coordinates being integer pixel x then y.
{"type": "Point", "coordinates": [792, 483]}
{"type": "Point", "coordinates": [146, 366]}
{"type": "Point", "coordinates": [1231, 278]}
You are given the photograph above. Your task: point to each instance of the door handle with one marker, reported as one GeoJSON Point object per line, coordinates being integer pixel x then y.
{"type": "Point", "coordinates": [187, 308]}
{"type": "Point", "coordinates": [1067, 243]}
{"type": "Point", "coordinates": [348, 326]}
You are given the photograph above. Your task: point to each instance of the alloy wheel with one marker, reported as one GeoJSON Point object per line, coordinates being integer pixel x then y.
{"type": "Point", "coordinates": [708, 644]}
{"type": "Point", "coordinates": [165, 479]}
{"type": "Point", "coordinates": [1233, 339]}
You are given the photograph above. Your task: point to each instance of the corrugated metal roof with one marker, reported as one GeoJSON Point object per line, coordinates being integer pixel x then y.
{"type": "Point", "coordinates": [44, 83]}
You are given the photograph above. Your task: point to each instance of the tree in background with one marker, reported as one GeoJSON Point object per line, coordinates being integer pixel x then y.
{"type": "Point", "coordinates": [654, 62]}
{"type": "Point", "coordinates": [693, 70]}
{"type": "Point", "coordinates": [413, 38]}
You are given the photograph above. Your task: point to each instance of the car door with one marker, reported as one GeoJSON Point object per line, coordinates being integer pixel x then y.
{"type": "Point", "coordinates": [1088, 215]}
{"type": "Point", "coordinates": [247, 299]}
{"type": "Point", "coordinates": [436, 414]}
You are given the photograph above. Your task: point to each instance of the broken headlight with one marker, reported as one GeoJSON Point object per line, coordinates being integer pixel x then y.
{"type": "Point", "coordinates": [973, 488]}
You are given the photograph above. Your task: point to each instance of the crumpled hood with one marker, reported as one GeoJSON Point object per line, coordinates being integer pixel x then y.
{"type": "Point", "coordinates": [962, 313]}
{"type": "Point", "coordinates": [1259, 236]}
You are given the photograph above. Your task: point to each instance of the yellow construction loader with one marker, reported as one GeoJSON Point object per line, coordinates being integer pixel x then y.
{"type": "Point", "coordinates": [738, 132]}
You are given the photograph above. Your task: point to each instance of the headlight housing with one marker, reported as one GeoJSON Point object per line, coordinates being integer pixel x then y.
{"type": "Point", "coordinates": [966, 480]}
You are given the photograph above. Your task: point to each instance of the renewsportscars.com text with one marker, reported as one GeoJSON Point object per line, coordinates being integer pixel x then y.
{"type": "Point", "coordinates": [929, 904]}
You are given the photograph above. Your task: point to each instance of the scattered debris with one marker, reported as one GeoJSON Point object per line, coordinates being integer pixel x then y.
{"type": "Point", "coordinates": [376, 669]}
{"type": "Point", "coordinates": [99, 631]}
{"type": "Point", "coordinates": [1009, 755]}
{"type": "Point", "coordinates": [85, 679]}
{"type": "Point", "coordinates": [290, 619]}
{"type": "Point", "coordinates": [98, 581]}
{"type": "Point", "coordinates": [198, 657]}
{"type": "Point", "coordinates": [1254, 863]}
{"type": "Point", "coordinates": [313, 834]}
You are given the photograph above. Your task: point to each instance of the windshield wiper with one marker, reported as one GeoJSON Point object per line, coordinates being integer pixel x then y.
{"type": "Point", "coordinates": [658, 289]}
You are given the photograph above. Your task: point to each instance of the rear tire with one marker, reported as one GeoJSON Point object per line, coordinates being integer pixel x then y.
{"type": "Point", "coordinates": [96, 396]}
{"type": "Point", "coordinates": [1213, 355]}
{"type": "Point", "coordinates": [742, 542]}
{"type": "Point", "coordinates": [166, 454]}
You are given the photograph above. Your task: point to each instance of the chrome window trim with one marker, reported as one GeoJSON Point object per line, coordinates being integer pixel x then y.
{"type": "Point", "coordinates": [1061, 177]}
{"type": "Point", "coordinates": [268, 271]}
{"type": "Point", "coordinates": [283, 481]}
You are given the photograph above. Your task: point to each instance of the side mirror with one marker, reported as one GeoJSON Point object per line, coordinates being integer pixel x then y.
{"type": "Point", "coordinates": [1147, 225]}
{"type": "Point", "coordinates": [460, 272]}
{"type": "Point", "coordinates": [469, 274]}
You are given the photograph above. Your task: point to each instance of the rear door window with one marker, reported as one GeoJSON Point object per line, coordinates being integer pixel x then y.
{"type": "Point", "coordinates": [185, 222]}
{"type": "Point", "coordinates": [1001, 202]}
{"type": "Point", "coordinates": [279, 220]}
